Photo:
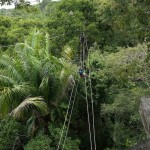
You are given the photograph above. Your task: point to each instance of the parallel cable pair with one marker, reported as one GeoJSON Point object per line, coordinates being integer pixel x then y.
{"type": "Point", "coordinates": [92, 101]}
{"type": "Point", "coordinates": [92, 142]}
{"type": "Point", "coordinates": [83, 46]}
{"type": "Point", "coordinates": [68, 117]}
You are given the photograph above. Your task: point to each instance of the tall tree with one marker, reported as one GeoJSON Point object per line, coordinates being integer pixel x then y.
{"type": "Point", "coordinates": [29, 72]}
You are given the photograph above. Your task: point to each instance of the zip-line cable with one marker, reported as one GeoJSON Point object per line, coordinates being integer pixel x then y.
{"type": "Point", "coordinates": [77, 31]}
{"type": "Point", "coordinates": [19, 43]}
{"type": "Point", "coordinates": [62, 132]}
{"type": "Point", "coordinates": [7, 45]}
{"type": "Point", "coordinates": [83, 50]}
{"type": "Point", "coordinates": [83, 46]}
{"type": "Point", "coordinates": [86, 97]}
{"type": "Point", "coordinates": [70, 116]}
{"type": "Point", "coordinates": [88, 114]}
{"type": "Point", "coordinates": [92, 101]}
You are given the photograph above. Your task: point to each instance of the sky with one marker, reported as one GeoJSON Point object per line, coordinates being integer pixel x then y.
{"type": "Point", "coordinates": [13, 6]}
{"type": "Point", "coordinates": [33, 2]}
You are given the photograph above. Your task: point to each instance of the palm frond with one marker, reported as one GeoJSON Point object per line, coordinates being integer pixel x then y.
{"type": "Point", "coordinates": [28, 105]}
{"type": "Point", "coordinates": [7, 63]}
{"type": "Point", "coordinates": [50, 88]}
{"type": "Point", "coordinates": [67, 53]}
{"type": "Point", "coordinates": [12, 96]}
{"type": "Point", "coordinates": [44, 87]}
{"type": "Point", "coordinates": [36, 36]}
{"type": "Point", "coordinates": [22, 53]}
{"type": "Point", "coordinates": [56, 61]}
{"type": "Point", "coordinates": [6, 81]}
{"type": "Point", "coordinates": [47, 44]}
{"type": "Point", "coordinates": [31, 63]}
{"type": "Point", "coordinates": [47, 68]}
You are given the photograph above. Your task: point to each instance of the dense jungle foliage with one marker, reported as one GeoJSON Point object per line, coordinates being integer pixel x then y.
{"type": "Point", "coordinates": [39, 61]}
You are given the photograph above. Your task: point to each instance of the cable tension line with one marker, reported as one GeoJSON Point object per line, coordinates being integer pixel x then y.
{"type": "Point", "coordinates": [68, 115]}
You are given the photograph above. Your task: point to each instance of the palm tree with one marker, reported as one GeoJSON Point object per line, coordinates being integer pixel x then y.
{"type": "Point", "coordinates": [32, 71]}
